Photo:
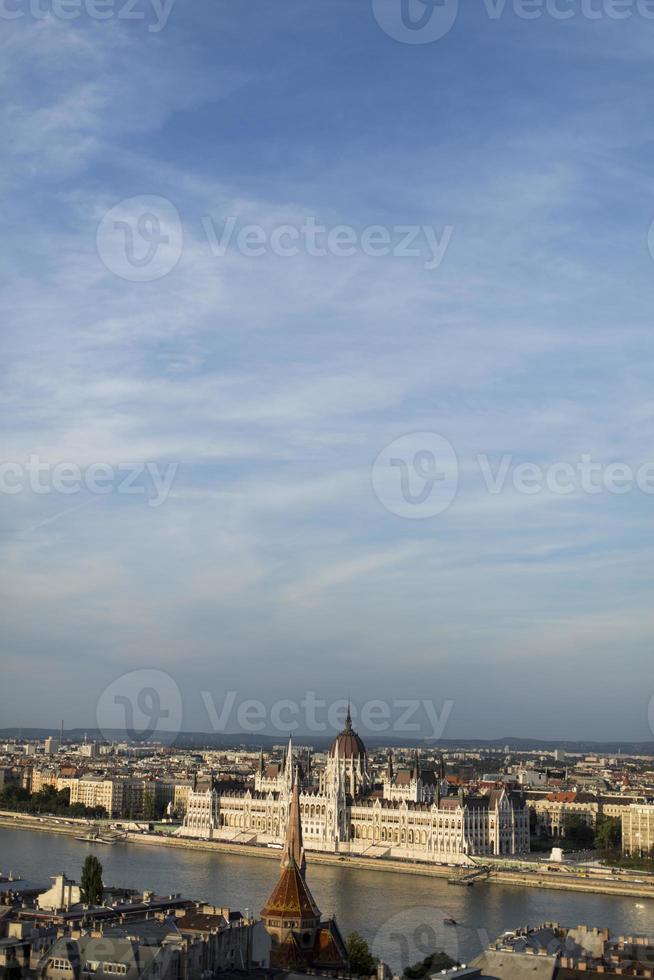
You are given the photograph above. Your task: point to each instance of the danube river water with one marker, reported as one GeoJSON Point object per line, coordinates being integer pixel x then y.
{"type": "Point", "coordinates": [400, 915]}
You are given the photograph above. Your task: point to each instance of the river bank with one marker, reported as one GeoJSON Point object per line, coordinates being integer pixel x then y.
{"type": "Point", "coordinates": [602, 882]}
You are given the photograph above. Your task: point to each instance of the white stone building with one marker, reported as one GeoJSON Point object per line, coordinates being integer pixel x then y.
{"type": "Point", "coordinates": [343, 813]}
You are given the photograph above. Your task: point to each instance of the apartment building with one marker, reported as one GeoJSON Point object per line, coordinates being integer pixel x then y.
{"type": "Point", "coordinates": [638, 830]}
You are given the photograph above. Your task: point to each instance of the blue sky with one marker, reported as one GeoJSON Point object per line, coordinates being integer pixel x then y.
{"type": "Point", "coordinates": [273, 383]}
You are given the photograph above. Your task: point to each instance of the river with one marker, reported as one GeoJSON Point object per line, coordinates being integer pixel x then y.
{"type": "Point", "coordinates": [400, 915]}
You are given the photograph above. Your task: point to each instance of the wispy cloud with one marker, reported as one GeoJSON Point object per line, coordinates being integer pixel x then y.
{"type": "Point", "coordinates": [275, 382]}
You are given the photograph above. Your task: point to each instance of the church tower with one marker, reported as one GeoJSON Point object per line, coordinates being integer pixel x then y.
{"type": "Point", "coordinates": [291, 916]}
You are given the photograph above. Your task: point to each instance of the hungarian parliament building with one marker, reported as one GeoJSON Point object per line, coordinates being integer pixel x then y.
{"type": "Point", "coordinates": [412, 817]}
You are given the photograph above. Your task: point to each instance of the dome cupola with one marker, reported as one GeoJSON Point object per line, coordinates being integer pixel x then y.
{"type": "Point", "coordinates": [347, 744]}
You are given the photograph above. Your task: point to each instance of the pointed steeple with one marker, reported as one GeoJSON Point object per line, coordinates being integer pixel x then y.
{"type": "Point", "coordinates": [288, 761]}
{"type": "Point", "coordinates": [389, 767]}
{"type": "Point", "coordinates": [261, 761]}
{"type": "Point", "coordinates": [293, 854]}
{"type": "Point", "coordinates": [348, 719]}
{"type": "Point", "coordinates": [291, 914]}
{"type": "Point", "coordinates": [416, 766]}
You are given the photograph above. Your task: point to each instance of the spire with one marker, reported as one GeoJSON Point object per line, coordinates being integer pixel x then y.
{"type": "Point", "coordinates": [293, 855]}
{"type": "Point", "coordinates": [348, 720]}
{"type": "Point", "coordinates": [288, 761]}
{"type": "Point", "coordinates": [291, 905]}
{"type": "Point", "coordinates": [261, 761]}
{"type": "Point", "coordinates": [389, 767]}
{"type": "Point", "coordinates": [416, 767]}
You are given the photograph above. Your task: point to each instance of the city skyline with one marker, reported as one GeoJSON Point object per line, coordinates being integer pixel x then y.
{"type": "Point", "coordinates": [418, 723]}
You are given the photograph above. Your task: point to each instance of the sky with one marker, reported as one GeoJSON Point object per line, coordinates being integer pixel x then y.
{"type": "Point", "coordinates": [312, 317]}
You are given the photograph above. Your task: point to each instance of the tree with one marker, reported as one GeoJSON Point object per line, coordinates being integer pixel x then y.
{"type": "Point", "coordinates": [46, 800]}
{"type": "Point", "coordinates": [362, 962]}
{"type": "Point", "coordinates": [609, 833]}
{"type": "Point", "coordinates": [577, 830]}
{"type": "Point", "coordinates": [12, 794]}
{"type": "Point", "coordinates": [431, 964]}
{"type": "Point", "coordinates": [49, 800]}
{"type": "Point", "coordinates": [149, 805]}
{"type": "Point", "coordinates": [91, 888]}
{"type": "Point", "coordinates": [63, 797]}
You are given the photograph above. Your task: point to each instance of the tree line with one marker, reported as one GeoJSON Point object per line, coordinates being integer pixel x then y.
{"type": "Point", "coordinates": [47, 800]}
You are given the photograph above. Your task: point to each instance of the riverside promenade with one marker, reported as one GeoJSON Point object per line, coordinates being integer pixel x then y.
{"type": "Point", "coordinates": [601, 881]}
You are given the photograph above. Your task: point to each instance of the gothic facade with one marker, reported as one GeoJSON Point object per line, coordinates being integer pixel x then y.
{"type": "Point", "coordinates": [411, 818]}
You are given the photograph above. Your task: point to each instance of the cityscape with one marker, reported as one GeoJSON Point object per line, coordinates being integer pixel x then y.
{"type": "Point", "coordinates": [463, 819]}
{"type": "Point", "coordinates": [326, 486]}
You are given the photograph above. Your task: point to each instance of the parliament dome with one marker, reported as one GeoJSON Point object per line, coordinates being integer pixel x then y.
{"type": "Point", "coordinates": [347, 743]}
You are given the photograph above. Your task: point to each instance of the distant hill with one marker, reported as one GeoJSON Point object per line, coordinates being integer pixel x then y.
{"type": "Point", "coordinates": [190, 740]}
